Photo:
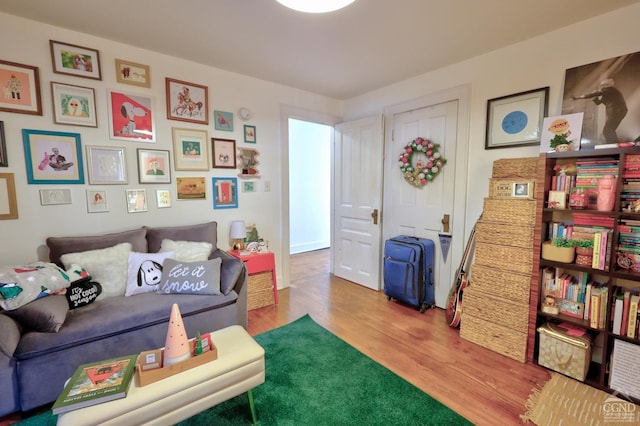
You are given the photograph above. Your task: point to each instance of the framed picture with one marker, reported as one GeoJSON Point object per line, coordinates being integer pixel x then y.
{"type": "Point", "coordinates": [52, 157]}
{"type": "Point", "coordinates": [224, 120]}
{"type": "Point", "coordinates": [190, 150]}
{"type": "Point", "coordinates": [4, 158]}
{"type": "Point", "coordinates": [523, 189]}
{"type": "Point", "coordinates": [75, 60]}
{"type": "Point", "coordinates": [191, 188]}
{"type": "Point", "coordinates": [97, 201]}
{"type": "Point", "coordinates": [8, 202]}
{"type": "Point", "coordinates": [248, 186]}
{"type": "Point", "coordinates": [516, 120]}
{"type": "Point", "coordinates": [131, 117]}
{"type": "Point", "coordinates": [249, 134]}
{"type": "Point", "coordinates": [224, 153]}
{"type": "Point", "coordinates": [51, 197]}
{"type": "Point", "coordinates": [107, 165]}
{"type": "Point", "coordinates": [561, 128]}
{"type": "Point", "coordinates": [225, 193]}
{"type": "Point", "coordinates": [128, 72]}
{"type": "Point", "coordinates": [73, 105]}
{"type": "Point", "coordinates": [248, 162]}
{"type": "Point", "coordinates": [187, 102]}
{"type": "Point", "coordinates": [153, 166]}
{"type": "Point", "coordinates": [163, 198]}
{"type": "Point", "coordinates": [136, 200]}
{"type": "Point", "coordinates": [21, 88]}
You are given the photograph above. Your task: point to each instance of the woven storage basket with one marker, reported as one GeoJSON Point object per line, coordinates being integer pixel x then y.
{"type": "Point", "coordinates": [495, 309]}
{"type": "Point", "coordinates": [504, 234]}
{"type": "Point", "coordinates": [514, 211]}
{"type": "Point", "coordinates": [497, 338]}
{"type": "Point", "coordinates": [260, 290]}
{"type": "Point", "coordinates": [508, 284]}
{"type": "Point", "coordinates": [503, 188]}
{"type": "Point", "coordinates": [516, 167]}
{"type": "Point", "coordinates": [514, 259]}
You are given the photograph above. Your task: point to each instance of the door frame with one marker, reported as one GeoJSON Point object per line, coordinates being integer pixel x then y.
{"type": "Point", "coordinates": [460, 94]}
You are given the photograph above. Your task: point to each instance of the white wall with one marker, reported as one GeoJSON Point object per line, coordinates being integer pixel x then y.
{"type": "Point", "coordinates": [23, 239]}
{"type": "Point", "coordinates": [535, 63]}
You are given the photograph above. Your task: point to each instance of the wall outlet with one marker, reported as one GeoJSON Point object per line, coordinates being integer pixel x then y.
{"type": "Point", "coordinates": [267, 186]}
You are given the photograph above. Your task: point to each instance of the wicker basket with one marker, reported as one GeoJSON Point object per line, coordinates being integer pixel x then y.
{"type": "Point", "coordinates": [516, 167]}
{"type": "Point", "coordinates": [513, 211]}
{"type": "Point", "coordinates": [504, 188]}
{"type": "Point", "coordinates": [495, 309]}
{"type": "Point", "coordinates": [507, 258]}
{"type": "Point", "coordinates": [508, 284]}
{"type": "Point", "coordinates": [260, 290]}
{"type": "Point", "coordinates": [504, 234]}
{"type": "Point", "coordinates": [497, 338]}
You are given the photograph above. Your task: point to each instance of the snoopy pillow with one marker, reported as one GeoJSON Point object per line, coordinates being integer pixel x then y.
{"type": "Point", "coordinates": [145, 271]}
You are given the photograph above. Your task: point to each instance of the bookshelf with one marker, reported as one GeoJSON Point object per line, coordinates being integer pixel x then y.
{"type": "Point", "coordinates": [595, 291]}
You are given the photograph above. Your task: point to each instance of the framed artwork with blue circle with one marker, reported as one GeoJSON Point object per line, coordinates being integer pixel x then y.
{"type": "Point", "coordinates": [516, 120]}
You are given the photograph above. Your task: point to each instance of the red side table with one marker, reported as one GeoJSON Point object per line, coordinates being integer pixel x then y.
{"type": "Point", "coordinates": [260, 262]}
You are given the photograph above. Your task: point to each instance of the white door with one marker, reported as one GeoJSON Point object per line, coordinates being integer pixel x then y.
{"type": "Point", "coordinates": [357, 200]}
{"type": "Point", "coordinates": [416, 211]}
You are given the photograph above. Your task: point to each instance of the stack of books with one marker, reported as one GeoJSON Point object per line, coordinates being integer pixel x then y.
{"type": "Point", "coordinates": [590, 171]}
{"type": "Point", "coordinates": [626, 313]}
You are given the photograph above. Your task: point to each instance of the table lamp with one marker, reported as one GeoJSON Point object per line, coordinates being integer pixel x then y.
{"type": "Point", "coordinates": [238, 233]}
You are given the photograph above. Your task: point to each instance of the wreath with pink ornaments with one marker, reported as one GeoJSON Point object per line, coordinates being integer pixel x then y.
{"type": "Point", "coordinates": [420, 162]}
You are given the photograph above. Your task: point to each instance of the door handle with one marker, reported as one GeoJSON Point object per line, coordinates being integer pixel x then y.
{"type": "Point", "coordinates": [374, 215]}
{"type": "Point", "coordinates": [445, 223]}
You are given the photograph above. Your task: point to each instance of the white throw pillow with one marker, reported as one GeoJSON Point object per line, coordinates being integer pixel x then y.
{"type": "Point", "coordinates": [145, 271]}
{"type": "Point", "coordinates": [106, 266]}
{"type": "Point", "coordinates": [187, 251]}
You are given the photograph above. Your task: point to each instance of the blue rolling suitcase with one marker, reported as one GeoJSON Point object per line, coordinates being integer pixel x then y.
{"type": "Point", "coordinates": [408, 271]}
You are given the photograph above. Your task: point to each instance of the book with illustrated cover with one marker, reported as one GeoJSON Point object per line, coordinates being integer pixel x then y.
{"type": "Point", "coordinates": [95, 383]}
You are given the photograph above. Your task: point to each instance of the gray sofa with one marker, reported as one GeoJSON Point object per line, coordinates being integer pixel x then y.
{"type": "Point", "coordinates": [34, 365]}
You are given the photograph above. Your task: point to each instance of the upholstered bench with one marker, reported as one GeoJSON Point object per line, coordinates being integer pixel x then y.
{"type": "Point", "coordinates": [238, 369]}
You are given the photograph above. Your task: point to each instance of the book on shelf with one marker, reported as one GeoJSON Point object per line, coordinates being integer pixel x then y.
{"type": "Point", "coordinates": [617, 314]}
{"type": "Point", "coordinates": [95, 383]}
{"type": "Point", "coordinates": [633, 316]}
{"type": "Point", "coordinates": [625, 313]}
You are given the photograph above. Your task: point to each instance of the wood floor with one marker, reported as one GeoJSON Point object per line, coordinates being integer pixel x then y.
{"type": "Point", "coordinates": [483, 386]}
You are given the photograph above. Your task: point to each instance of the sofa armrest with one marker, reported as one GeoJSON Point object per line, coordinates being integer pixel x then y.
{"type": "Point", "coordinates": [10, 332]}
{"type": "Point", "coordinates": [233, 272]}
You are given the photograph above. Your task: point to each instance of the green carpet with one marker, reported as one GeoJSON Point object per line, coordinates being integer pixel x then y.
{"type": "Point", "coordinates": [315, 378]}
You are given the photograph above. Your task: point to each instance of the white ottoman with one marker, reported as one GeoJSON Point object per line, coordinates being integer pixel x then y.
{"type": "Point", "coordinates": [238, 369]}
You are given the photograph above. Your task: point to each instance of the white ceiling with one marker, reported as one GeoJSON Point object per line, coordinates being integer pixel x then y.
{"type": "Point", "coordinates": [366, 46]}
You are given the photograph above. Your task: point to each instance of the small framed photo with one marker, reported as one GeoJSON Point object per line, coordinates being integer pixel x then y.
{"type": "Point", "coordinates": [223, 152]}
{"type": "Point", "coordinates": [190, 150]}
{"type": "Point", "coordinates": [75, 60]}
{"type": "Point", "coordinates": [53, 157]}
{"type": "Point", "coordinates": [97, 201]}
{"type": "Point", "coordinates": [131, 117]}
{"type": "Point", "coordinates": [557, 200]}
{"type": "Point", "coordinates": [223, 120]}
{"type": "Point", "coordinates": [248, 162]}
{"type": "Point", "coordinates": [8, 201]}
{"type": "Point", "coordinates": [248, 186]}
{"type": "Point", "coordinates": [249, 134]}
{"type": "Point", "coordinates": [128, 72]}
{"type": "Point", "coordinates": [516, 120]}
{"type": "Point", "coordinates": [153, 166]}
{"type": "Point", "coordinates": [225, 193]}
{"type": "Point", "coordinates": [187, 102]}
{"type": "Point", "coordinates": [163, 198]}
{"type": "Point", "coordinates": [191, 188]}
{"type": "Point", "coordinates": [523, 190]}
{"type": "Point", "coordinates": [73, 105]}
{"type": "Point", "coordinates": [51, 197]}
{"type": "Point", "coordinates": [4, 158]}
{"type": "Point", "coordinates": [107, 165]}
{"type": "Point", "coordinates": [136, 200]}
{"type": "Point", "coordinates": [21, 88]}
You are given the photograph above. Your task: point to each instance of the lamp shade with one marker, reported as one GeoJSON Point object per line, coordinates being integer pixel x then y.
{"type": "Point", "coordinates": [315, 6]}
{"type": "Point", "coordinates": [238, 230]}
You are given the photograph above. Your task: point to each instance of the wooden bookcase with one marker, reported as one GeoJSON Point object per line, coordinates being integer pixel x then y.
{"type": "Point", "coordinates": [616, 278]}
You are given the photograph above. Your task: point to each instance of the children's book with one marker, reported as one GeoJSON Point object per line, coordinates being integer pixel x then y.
{"type": "Point", "coordinates": [95, 383]}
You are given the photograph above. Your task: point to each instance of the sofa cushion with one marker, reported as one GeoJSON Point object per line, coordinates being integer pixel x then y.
{"type": "Point", "coordinates": [187, 251]}
{"type": "Point", "coordinates": [145, 272]}
{"type": "Point", "coordinates": [62, 245]}
{"type": "Point", "coordinates": [115, 316]}
{"type": "Point", "coordinates": [22, 284]}
{"type": "Point", "coordinates": [201, 232]}
{"type": "Point", "coordinates": [82, 292]}
{"type": "Point", "coordinates": [46, 314]}
{"type": "Point", "coordinates": [106, 266]}
{"type": "Point", "coordinates": [191, 277]}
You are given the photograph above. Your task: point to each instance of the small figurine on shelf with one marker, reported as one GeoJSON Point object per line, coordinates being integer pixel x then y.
{"type": "Point", "coordinates": [549, 305]}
